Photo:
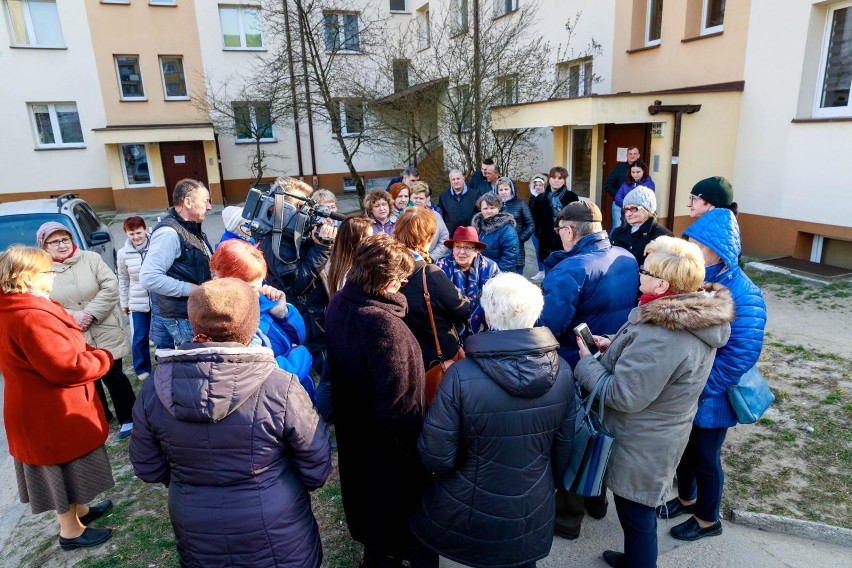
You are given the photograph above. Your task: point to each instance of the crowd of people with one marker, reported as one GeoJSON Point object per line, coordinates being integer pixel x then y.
{"type": "Point", "coordinates": [270, 336]}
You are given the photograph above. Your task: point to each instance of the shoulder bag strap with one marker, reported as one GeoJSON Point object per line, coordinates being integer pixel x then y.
{"type": "Point", "coordinates": [431, 317]}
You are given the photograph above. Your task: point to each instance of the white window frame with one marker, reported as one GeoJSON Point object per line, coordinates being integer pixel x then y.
{"type": "Point", "coordinates": [163, 78]}
{"type": "Point", "coordinates": [829, 112]}
{"type": "Point", "coordinates": [252, 106]}
{"type": "Point", "coordinates": [341, 31]}
{"type": "Point", "coordinates": [424, 28]}
{"type": "Point", "coordinates": [405, 9]}
{"type": "Point", "coordinates": [500, 8]}
{"type": "Point", "coordinates": [704, 13]}
{"type": "Point", "coordinates": [162, 2]}
{"type": "Point", "coordinates": [124, 165]}
{"type": "Point", "coordinates": [54, 125]}
{"type": "Point", "coordinates": [649, 4]}
{"type": "Point", "coordinates": [144, 96]}
{"type": "Point", "coordinates": [565, 74]}
{"type": "Point", "coordinates": [344, 119]}
{"type": "Point", "coordinates": [241, 9]}
{"type": "Point", "coordinates": [509, 85]}
{"type": "Point", "coordinates": [461, 17]}
{"type": "Point", "coordinates": [115, 1]}
{"type": "Point", "coordinates": [28, 22]}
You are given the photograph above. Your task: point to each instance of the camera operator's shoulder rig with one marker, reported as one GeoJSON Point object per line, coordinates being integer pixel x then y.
{"type": "Point", "coordinates": [269, 211]}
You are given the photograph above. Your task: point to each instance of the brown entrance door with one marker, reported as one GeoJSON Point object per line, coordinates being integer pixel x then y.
{"type": "Point", "coordinates": [182, 160]}
{"type": "Point", "coordinates": [622, 136]}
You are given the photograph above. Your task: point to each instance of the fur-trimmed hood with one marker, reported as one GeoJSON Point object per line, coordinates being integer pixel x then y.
{"type": "Point", "coordinates": [701, 313]}
{"type": "Point", "coordinates": [485, 226]}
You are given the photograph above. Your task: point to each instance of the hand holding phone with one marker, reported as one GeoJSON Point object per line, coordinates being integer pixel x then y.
{"type": "Point", "coordinates": [582, 331]}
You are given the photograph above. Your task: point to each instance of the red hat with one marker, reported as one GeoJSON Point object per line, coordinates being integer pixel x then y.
{"type": "Point", "coordinates": [466, 235]}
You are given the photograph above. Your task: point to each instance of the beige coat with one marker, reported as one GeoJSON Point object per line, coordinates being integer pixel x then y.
{"type": "Point", "coordinates": [84, 282]}
{"type": "Point", "coordinates": [660, 360]}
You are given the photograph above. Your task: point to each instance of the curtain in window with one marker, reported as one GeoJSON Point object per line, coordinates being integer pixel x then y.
{"type": "Point", "coordinates": [351, 39]}
{"type": "Point", "coordinates": [69, 123]}
{"type": "Point", "coordinates": [252, 27]}
{"type": "Point", "coordinates": [41, 115]}
{"type": "Point", "coordinates": [838, 64]}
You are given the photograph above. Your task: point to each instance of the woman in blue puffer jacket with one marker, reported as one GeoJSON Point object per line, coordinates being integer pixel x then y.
{"type": "Point", "coordinates": [497, 230]}
{"type": "Point", "coordinates": [699, 475]}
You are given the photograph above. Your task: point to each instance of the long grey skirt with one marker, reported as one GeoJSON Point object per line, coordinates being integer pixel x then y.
{"type": "Point", "coordinates": [55, 487]}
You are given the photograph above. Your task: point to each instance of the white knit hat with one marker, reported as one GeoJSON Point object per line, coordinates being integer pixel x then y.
{"type": "Point", "coordinates": [232, 218]}
{"type": "Point", "coordinates": [643, 197]}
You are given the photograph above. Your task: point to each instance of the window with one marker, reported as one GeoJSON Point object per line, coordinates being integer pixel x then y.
{"type": "Point", "coordinates": [87, 220]}
{"type": "Point", "coordinates": [424, 31]}
{"type": "Point", "coordinates": [129, 77]}
{"type": "Point", "coordinates": [341, 32]}
{"type": "Point", "coordinates": [34, 23]}
{"type": "Point", "coordinates": [163, 2]}
{"type": "Point", "coordinates": [460, 23]}
{"type": "Point", "coordinates": [712, 16]}
{"type": "Point", "coordinates": [174, 79]}
{"type": "Point", "coordinates": [134, 159]}
{"type": "Point", "coordinates": [577, 77]}
{"type": "Point", "coordinates": [241, 27]}
{"type": "Point", "coordinates": [508, 90]}
{"type": "Point", "coordinates": [398, 6]}
{"type": "Point", "coordinates": [253, 121]}
{"type": "Point", "coordinates": [653, 22]}
{"type": "Point", "coordinates": [581, 161]}
{"type": "Point", "coordinates": [400, 74]}
{"type": "Point", "coordinates": [835, 69]}
{"type": "Point", "coordinates": [464, 109]}
{"type": "Point", "coordinates": [57, 125]}
{"type": "Point", "coordinates": [502, 7]}
{"type": "Point", "coordinates": [351, 117]}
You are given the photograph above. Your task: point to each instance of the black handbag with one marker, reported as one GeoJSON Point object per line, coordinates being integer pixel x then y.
{"type": "Point", "coordinates": [592, 445]}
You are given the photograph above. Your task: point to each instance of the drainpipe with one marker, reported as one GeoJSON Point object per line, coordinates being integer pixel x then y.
{"type": "Point", "coordinates": [678, 111]}
{"type": "Point", "coordinates": [477, 84]}
{"type": "Point", "coordinates": [307, 94]}
{"type": "Point", "coordinates": [293, 89]}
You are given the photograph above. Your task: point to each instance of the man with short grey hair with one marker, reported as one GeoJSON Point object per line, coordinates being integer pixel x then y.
{"type": "Point", "coordinates": [458, 203]}
{"type": "Point", "coordinates": [408, 176]}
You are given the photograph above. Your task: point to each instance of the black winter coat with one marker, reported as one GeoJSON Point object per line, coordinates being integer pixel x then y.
{"type": "Point", "coordinates": [458, 211]}
{"type": "Point", "coordinates": [636, 242]}
{"type": "Point", "coordinates": [302, 281]}
{"type": "Point", "coordinates": [239, 445]}
{"type": "Point", "coordinates": [501, 240]}
{"type": "Point", "coordinates": [449, 308]}
{"type": "Point", "coordinates": [497, 436]}
{"type": "Point", "coordinates": [542, 212]}
{"type": "Point", "coordinates": [377, 382]}
{"type": "Point", "coordinates": [524, 224]}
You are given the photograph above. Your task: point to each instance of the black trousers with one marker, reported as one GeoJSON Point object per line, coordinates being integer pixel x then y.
{"type": "Point", "coordinates": [120, 392]}
{"type": "Point", "coordinates": [639, 524]}
{"type": "Point", "coordinates": [570, 509]}
{"type": "Point", "coordinates": [699, 473]}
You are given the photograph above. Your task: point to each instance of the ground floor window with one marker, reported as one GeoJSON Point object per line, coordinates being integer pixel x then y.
{"type": "Point", "coordinates": [134, 159]}
{"type": "Point", "coordinates": [581, 161]}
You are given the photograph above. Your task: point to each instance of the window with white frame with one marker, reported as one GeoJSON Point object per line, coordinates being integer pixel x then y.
{"type": "Point", "coordinates": [134, 161]}
{"type": "Point", "coordinates": [401, 68]}
{"type": "Point", "coordinates": [253, 121]}
{"type": "Point", "coordinates": [162, 2]}
{"type": "Point", "coordinates": [56, 125]}
{"type": "Point", "coordinates": [34, 23]}
{"type": "Point", "coordinates": [507, 90]}
{"type": "Point", "coordinates": [399, 5]}
{"type": "Point", "coordinates": [241, 27]}
{"type": "Point", "coordinates": [502, 7]}
{"type": "Point", "coordinates": [653, 22]}
{"type": "Point", "coordinates": [129, 74]}
{"type": "Point", "coordinates": [460, 22]}
{"type": "Point", "coordinates": [351, 117]}
{"type": "Point", "coordinates": [712, 16]}
{"type": "Point", "coordinates": [577, 77]}
{"type": "Point", "coordinates": [341, 32]}
{"type": "Point", "coordinates": [174, 79]}
{"type": "Point", "coordinates": [835, 69]}
{"type": "Point", "coordinates": [424, 28]}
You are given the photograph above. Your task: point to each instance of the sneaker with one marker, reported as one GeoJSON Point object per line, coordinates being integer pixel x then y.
{"type": "Point", "coordinates": [142, 376]}
{"type": "Point", "coordinates": [126, 430]}
{"type": "Point", "coordinates": [539, 276]}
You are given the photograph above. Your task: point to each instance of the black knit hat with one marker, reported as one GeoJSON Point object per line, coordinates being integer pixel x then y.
{"type": "Point", "coordinates": [225, 309]}
{"type": "Point", "coordinates": [716, 191]}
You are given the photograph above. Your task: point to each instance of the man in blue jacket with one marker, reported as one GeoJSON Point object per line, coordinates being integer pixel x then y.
{"type": "Point", "coordinates": [591, 282]}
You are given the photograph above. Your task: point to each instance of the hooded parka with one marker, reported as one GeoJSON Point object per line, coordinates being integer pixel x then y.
{"type": "Point", "coordinates": [498, 232]}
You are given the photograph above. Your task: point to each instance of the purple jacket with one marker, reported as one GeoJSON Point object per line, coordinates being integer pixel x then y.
{"type": "Point", "coordinates": [239, 445]}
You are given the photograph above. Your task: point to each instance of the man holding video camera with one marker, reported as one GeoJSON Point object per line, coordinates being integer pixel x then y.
{"type": "Point", "coordinates": [296, 267]}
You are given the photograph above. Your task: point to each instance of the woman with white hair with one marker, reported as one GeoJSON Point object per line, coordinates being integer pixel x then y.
{"type": "Point", "coordinates": [499, 418]}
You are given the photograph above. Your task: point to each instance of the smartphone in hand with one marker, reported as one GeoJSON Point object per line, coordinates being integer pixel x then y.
{"type": "Point", "coordinates": [582, 331]}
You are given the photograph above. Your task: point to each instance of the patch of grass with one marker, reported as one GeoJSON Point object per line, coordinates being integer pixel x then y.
{"type": "Point", "coordinates": [766, 421]}
{"type": "Point", "coordinates": [833, 397]}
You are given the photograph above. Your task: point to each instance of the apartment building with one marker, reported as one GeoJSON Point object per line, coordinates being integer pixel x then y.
{"type": "Point", "coordinates": [756, 91]}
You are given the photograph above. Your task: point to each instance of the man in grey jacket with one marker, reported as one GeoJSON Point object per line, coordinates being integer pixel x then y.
{"type": "Point", "coordinates": [178, 259]}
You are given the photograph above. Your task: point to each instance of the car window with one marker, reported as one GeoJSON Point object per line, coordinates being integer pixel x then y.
{"type": "Point", "coordinates": [86, 218]}
{"type": "Point", "coordinates": [22, 229]}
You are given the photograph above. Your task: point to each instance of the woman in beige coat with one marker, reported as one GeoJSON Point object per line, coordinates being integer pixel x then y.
{"type": "Point", "coordinates": [88, 289]}
{"type": "Point", "coordinates": [659, 361]}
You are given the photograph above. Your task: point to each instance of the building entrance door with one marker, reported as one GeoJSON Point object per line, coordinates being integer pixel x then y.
{"type": "Point", "coordinates": [182, 160]}
{"type": "Point", "coordinates": [617, 139]}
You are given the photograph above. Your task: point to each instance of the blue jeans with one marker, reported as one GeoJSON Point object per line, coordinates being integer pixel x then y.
{"type": "Point", "coordinates": [179, 329]}
{"type": "Point", "coordinates": [616, 217]}
{"type": "Point", "coordinates": [639, 524]}
{"type": "Point", "coordinates": [699, 473]}
{"type": "Point", "coordinates": [322, 396]}
{"type": "Point", "coordinates": [141, 332]}
{"type": "Point", "coordinates": [535, 246]}
{"type": "Point", "coordinates": [159, 334]}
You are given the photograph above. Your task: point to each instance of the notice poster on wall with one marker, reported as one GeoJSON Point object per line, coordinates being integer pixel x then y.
{"type": "Point", "coordinates": [621, 155]}
{"type": "Point", "coordinates": [180, 159]}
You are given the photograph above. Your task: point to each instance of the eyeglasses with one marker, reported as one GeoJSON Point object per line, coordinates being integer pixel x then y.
{"type": "Point", "coordinates": [630, 209]}
{"type": "Point", "coordinates": [692, 199]}
{"type": "Point", "coordinates": [53, 272]}
{"type": "Point", "coordinates": [646, 273]}
{"type": "Point", "coordinates": [559, 228]}
{"type": "Point", "coordinates": [464, 248]}
{"type": "Point", "coordinates": [57, 242]}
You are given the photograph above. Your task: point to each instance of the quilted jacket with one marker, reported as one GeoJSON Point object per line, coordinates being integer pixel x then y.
{"type": "Point", "coordinates": [131, 293]}
{"type": "Point", "coordinates": [497, 435]}
{"type": "Point", "coordinates": [718, 230]}
{"type": "Point", "coordinates": [524, 224]}
{"type": "Point", "coordinates": [239, 445]}
{"type": "Point", "coordinates": [498, 232]}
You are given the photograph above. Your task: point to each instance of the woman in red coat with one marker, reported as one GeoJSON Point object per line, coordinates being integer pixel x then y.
{"type": "Point", "coordinates": [60, 459]}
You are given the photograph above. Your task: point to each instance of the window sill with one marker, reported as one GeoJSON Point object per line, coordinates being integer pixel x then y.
{"type": "Point", "coordinates": [62, 147]}
{"type": "Point", "coordinates": [139, 186]}
{"type": "Point", "coordinates": [459, 32]}
{"type": "Point", "coordinates": [134, 100]}
{"type": "Point", "coordinates": [503, 15]}
{"type": "Point", "coordinates": [351, 134]}
{"type": "Point", "coordinates": [822, 119]}
{"type": "Point", "coordinates": [705, 36]}
{"type": "Point", "coordinates": [344, 52]}
{"type": "Point", "coordinates": [172, 99]}
{"type": "Point", "coordinates": [400, 12]}
{"type": "Point", "coordinates": [160, 5]}
{"type": "Point", "coordinates": [244, 141]}
{"type": "Point", "coordinates": [117, 2]}
{"type": "Point", "coordinates": [643, 48]}
{"type": "Point", "coordinates": [244, 49]}
{"type": "Point", "coordinates": [38, 47]}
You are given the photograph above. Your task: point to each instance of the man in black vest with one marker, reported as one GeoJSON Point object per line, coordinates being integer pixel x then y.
{"type": "Point", "coordinates": [178, 259]}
